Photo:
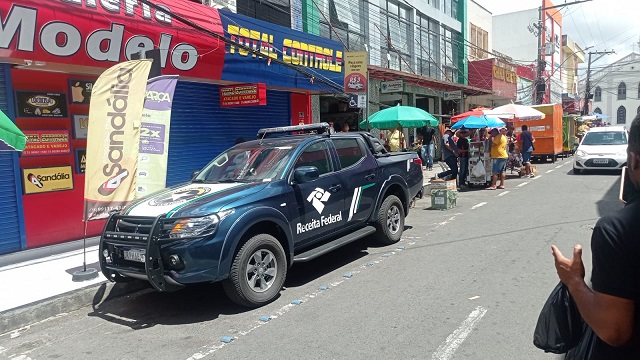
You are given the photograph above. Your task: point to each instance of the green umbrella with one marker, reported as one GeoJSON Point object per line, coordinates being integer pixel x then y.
{"type": "Point", "coordinates": [11, 138]}
{"type": "Point", "coordinates": [405, 116]}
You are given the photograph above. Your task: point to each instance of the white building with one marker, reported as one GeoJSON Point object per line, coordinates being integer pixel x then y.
{"type": "Point", "coordinates": [616, 90]}
{"type": "Point", "coordinates": [515, 34]}
{"type": "Point", "coordinates": [479, 31]}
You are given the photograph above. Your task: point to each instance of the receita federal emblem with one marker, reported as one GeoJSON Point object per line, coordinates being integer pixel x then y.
{"type": "Point", "coordinates": [179, 196]}
{"type": "Point", "coordinates": [317, 198]}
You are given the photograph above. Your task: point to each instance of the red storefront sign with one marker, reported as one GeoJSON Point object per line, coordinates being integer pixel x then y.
{"type": "Point", "coordinates": [102, 33]}
{"type": "Point", "coordinates": [498, 77]}
{"type": "Point", "coordinates": [46, 142]}
{"type": "Point", "coordinates": [243, 95]}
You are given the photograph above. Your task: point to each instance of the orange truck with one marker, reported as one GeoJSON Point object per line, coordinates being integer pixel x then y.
{"type": "Point", "coordinates": [547, 132]}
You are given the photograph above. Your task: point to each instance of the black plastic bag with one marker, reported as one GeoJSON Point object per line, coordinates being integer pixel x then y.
{"type": "Point", "coordinates": [560, 325]}
{"type": "Point", "coordinates": [586, 348]}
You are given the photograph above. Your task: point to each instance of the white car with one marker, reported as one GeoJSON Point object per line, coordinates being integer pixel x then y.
{"type": "Point", "coordinates": [602, 148]}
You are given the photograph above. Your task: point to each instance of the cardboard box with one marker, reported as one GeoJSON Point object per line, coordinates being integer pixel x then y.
{"type": "Point", "coordinates": [443, 185]}
{"type": "Point", "coordinates": [443, 199]}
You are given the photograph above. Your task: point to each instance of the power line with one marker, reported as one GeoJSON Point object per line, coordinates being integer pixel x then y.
{"type": "Point", "coordinates": [238, 45]}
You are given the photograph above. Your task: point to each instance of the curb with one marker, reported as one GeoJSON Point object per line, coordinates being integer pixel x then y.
{"type": "Point", "coordinates": [92, 295]}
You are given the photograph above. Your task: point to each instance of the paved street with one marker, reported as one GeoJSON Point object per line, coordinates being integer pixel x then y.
{"type": "Point", "coordinates": [467, 283]}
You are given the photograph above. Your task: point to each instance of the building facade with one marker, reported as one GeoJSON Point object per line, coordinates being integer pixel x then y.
{"type": "Point", "coordinates": [52, 53]}
{"type": "Point", "coordinates": [516, 34]}
{"type": "Point", "coordinates": [479, 32]}
{"type": "Point", "coordinates": [497, 76]}
{"type": "Point", "coordinates": [417, 51]}
{"type": "Point", "coordinates": [573, 57]}
{"type": "Point", "coordinates": [616, 90]}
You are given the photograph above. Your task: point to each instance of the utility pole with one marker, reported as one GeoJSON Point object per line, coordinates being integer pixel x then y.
{"type": "Point", "coordinates": [540, 84]}
{"type": "Point", "coordinates": [587, 93]}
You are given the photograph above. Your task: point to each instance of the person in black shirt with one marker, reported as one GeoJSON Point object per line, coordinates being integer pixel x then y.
{"type": "Point", "coordinates": [612, 308]}
{"type": "Point", "coordinates": [463, 156]}
{"type": "Point", "coordinates": [428, 145]}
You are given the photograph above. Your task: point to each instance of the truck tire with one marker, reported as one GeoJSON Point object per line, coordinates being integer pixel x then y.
{"type": "Point", "coordinates": [390, 221]}
{"type": "Point", "coordinates": [257, 273]}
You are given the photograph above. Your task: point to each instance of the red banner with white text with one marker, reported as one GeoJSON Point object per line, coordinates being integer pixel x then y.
{"type": "Point", "coordinates": [93, 33]}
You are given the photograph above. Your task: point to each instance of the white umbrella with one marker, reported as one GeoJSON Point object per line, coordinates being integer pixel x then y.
{"type": "Point", "coordinates": [522, 112]}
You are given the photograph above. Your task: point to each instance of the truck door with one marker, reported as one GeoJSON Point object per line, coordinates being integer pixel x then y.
{"type": "Point", "coordinates": [360, 173]}
{"type": "Point", "coordinates": [320, 202]}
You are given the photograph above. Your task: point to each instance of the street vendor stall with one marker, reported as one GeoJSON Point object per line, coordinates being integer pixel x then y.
{"type": "Point", "coordinates": [569, 139]}
{"type": "Point", "coordinates": [399, 117]}
{"type": "Point", "coordinates": [479, 151]}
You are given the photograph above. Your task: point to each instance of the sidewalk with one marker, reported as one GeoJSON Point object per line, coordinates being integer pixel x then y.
{"type": "Point", "coordinates": [39, 281]}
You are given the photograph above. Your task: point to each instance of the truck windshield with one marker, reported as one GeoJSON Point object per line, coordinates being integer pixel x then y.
{"type": "Point", "coordinates": [605, 138]}
{"type": "Point", "coordinates": [247, 164]}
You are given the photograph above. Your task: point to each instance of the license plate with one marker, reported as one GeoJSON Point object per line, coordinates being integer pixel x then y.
{"type": "Point", "coordinates": [600, 161]}
{"type": "Point", "coordinates": [134, 255]}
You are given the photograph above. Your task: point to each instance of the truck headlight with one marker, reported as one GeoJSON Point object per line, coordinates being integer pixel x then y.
{"type": "Point", "coordinates": [197, 227]}
{"type": "Point", "coordinates": [581, 153]}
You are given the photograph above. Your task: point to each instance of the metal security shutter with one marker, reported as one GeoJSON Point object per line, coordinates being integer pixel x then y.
{"type": "Point", "coordinates": [12, 234]}
{"type": "Point", "coordinates": [201, 129]}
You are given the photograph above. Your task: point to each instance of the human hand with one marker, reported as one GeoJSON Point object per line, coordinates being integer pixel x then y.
{"type": "Point", "coordinates": [570, 271]}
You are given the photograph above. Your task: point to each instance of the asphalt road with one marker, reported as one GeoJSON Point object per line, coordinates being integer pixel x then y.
{"type": "Point", "coordinates": [466, 283]}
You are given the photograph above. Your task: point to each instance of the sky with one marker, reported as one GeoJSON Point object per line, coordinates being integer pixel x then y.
{"type": "Point", "coordinates": [603, 24]}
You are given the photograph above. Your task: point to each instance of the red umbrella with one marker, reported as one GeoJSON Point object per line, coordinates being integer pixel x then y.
{"type": "Point", "coordinates": [479, 111]}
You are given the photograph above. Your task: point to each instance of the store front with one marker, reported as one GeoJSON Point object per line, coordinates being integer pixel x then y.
{"type": "Point", "coordinates": [499, 78]}
{"type": "Point", "coordinates": [48, 68]}
{"type": "Point", "coordinates": [389, 87]}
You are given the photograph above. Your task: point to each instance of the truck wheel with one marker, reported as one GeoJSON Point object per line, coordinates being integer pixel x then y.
{"type": "Point", "coordinates": [390, 221]}
{"type": "Point", "coordinates": [257, 273]}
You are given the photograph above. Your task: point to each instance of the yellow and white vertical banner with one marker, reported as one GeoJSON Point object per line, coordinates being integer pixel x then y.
{"type": "Point", "coordinates": [154, 135]}
{"type": "Point", "coordinates": [113, 138]}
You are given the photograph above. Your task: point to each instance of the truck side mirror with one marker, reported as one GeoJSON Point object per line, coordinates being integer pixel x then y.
{"type": "Point", "coordinates": [305, 174]}
{"type": "Point", "coordinates": [194, 174]}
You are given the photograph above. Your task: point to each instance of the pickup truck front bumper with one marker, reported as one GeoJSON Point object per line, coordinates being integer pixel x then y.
{"type": "Point", "coordinates": [131, 247]}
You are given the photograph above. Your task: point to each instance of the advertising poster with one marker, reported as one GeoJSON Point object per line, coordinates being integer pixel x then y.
{"type": "Point", "coordinates": [80, 91]}
{"type": "Point", "coordinates": [80, 126]}
{"type": "Point", "coordinates": [154, 135]}
{"type": "Point", "coordinates": [243, 95]}
{"type": "Point", "coordinates": [113, 138]}
{"type": "Point", "coordinates": [46, 142]}
{"type": "Point", "coordinates": [355, 72]}
{"type": "Point", "coordinates": [38, 104]}
{"type": "Point", "coordinates": [47, 179]}
{"type": "Point", "coordinates": [81, 161]}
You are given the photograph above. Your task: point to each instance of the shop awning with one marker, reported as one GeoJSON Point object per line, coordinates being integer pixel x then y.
{"type": "Point", "coordinates": [381, 73]}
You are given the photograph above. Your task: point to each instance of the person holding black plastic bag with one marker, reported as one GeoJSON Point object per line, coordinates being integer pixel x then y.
{"type": "Point", "coordinates": [612, 308]}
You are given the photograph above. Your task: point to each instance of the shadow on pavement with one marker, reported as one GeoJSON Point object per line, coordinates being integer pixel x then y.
{"type": "Point", "coordinates": [200, 303]}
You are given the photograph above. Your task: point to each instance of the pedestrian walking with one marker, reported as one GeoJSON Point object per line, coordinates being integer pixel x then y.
{"type": "Point", "coordinates": [499, 157]}
{"type": "Point", "coordinates": [525, 142]}
{"type": "Point", "coordinates": [463, 156]}
{"type": "Point", "coordinates": [428, 145]}
{"type": "Point", "coordinates": [450, 154]}
{"type": "Point", "coordinates": [611, 307]}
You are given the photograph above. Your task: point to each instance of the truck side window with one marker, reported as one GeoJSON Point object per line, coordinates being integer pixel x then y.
{"type": "Point", "coordinates": [316, 154]}
{"type": "Point", "coordinates": [349, 151]}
